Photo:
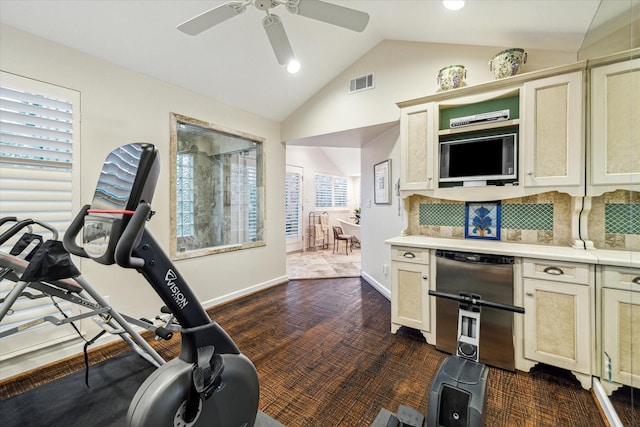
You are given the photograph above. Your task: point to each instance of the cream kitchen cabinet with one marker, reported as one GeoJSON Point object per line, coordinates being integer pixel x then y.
{"type": "Point", "coordinates": [410, 284]}
{"type": "Point", "coordinates": [620, 332]}
{"type": "Point", "coordinates": [551, 134]}
{"type": "Point", "coordinates": [418, 130]}
{"type": "Point", "coordinates": [558, 310]}
{"type": "Point", "coordinates": [614, 154]}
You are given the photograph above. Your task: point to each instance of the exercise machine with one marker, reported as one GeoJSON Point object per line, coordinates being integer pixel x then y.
{"type": "Point", "coordinates": [458, 393]}
{"type": "Point", "coordinates": [211, 382]}
{"type": "Point", "coordinates": [27, 273]}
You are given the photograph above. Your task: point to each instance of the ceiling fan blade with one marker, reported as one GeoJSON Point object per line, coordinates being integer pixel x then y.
{"type": "Point", "coordinates": [211, 18]}
{"type": "Point", "coordinates": [278, 38]}
{"type": "Point", "coordinates": [330, 13]}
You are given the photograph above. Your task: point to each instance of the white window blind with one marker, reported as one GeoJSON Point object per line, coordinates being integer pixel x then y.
{"type": "Point", "coordinates": [331, 191]}
{"type": "Point", "coordinates": [39, 133]}
{"type": "Point", "coordinates": [292, 204]}
{"type": "Point", "coordinates": [324, 191]}
{"type": "Point", "coordinates": [244, 223]}
{"type": "Point", "coordinates": [340, 197]}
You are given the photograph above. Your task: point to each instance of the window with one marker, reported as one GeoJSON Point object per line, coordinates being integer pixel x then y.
{"type": "Point", "coordinates": [331, 191]}
{"type": "Point", "coordinates": [39, 179]}
{"type": "Point", "coordinates": [184, 196]}
{"type": "Point", "coordinates": [218, 188]}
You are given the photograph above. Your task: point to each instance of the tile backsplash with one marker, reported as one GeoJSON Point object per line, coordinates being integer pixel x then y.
{"type": "Point", "coordinates": [545, 219]}
{"type": "Point", "coordinates": [540, 219]}
{"type": "Point", "coordinates": [614, 220]}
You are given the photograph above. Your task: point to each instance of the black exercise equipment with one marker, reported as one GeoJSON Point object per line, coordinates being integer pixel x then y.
{"type": "Point", "coordinates": [211, 383]}
{"type": "Point", "coordinates": [458, 393]}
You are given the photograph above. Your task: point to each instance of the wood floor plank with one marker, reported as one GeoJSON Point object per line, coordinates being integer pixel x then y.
{"type": "Point", "coordinates": [325, 357]}
{"type": "Point", "coordinates": [343, 365]}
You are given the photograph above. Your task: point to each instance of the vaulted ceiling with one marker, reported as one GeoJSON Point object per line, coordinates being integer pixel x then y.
{"type": "Point", "coordinates": [234, 63]}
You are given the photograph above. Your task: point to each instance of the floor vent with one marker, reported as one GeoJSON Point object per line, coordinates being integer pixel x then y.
{"type": "Point", "coordinates": [361, 83]}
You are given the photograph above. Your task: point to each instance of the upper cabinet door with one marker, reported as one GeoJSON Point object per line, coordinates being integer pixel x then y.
{"type": "Point", "coordinates": [615, 127]}
{"type": "Point", "coordinates": [417, 135]}
{"type": "Point", "coordinates": [552, 136]}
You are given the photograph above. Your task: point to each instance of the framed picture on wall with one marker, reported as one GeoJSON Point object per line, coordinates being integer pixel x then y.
{"type": "Point", "coordinates": [482, 220]}
{"type": "Point", "coordinates": [382, 183]}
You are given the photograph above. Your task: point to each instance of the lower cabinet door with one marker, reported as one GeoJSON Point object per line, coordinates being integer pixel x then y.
{"type": "Point", "coordinates": [557, 324]}
{"type": "Point", "coordinates": [621, 336]}
{"type": "Point", "coordinates": [409, 295]}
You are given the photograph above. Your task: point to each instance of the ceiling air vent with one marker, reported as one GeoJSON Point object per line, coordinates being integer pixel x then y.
{"type": "Point", "coordinates": [361, 83]}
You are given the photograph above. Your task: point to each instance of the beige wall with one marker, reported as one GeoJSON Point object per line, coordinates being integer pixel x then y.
{"type": "Point", "coordinates": [118, 107]}
{"type": "Point", "coordinates": [403, 71]}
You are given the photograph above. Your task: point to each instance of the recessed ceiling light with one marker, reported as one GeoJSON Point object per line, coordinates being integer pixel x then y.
{"type": "Point", "coordinates": [453, 4]}
{"type": "Point", "coordinates": [293, 66]}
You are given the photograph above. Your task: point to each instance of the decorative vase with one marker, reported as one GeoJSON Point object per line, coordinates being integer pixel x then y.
{"type": "Point", "coordinates": [508, 62]}
{"type": "Point", "coordinates": [451, 77]}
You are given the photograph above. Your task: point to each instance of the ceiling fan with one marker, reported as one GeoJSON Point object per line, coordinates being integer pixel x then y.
{"type": "Point", "coordinates": [315, 9]}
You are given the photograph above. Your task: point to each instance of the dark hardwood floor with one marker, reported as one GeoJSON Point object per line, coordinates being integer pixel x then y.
{"type": "Point", "coordinates": [325, 357]}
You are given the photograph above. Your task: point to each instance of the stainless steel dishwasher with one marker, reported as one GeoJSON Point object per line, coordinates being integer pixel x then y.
{"type": "Point", "coordinates": [490, 276]}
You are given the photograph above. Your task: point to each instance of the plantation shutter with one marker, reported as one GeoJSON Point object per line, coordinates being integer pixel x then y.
{"type": "Point", "coordinates": [39, 136]}
{"type": "Point", "coordinates": [340, 198]}
{"type": "Point", "coordinates": [292, 205]}
{"type": "Point", "coordinates": [324, 196]}
{"type": "Point", "coordinates": [252, 182]}
{"type": "Point", "coordinates": [331, 191]}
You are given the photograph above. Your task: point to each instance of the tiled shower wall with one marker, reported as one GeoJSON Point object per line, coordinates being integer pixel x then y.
{"type": "Point", "coordinates": [543, 219]}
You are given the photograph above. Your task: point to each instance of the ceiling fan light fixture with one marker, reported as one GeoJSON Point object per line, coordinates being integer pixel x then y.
{"type": "Point", "coordinates": [293, 66]}
{"type": "Point", "coordinates": [453, 4]}
{"type": "Point", "coordinates": [319, 10]}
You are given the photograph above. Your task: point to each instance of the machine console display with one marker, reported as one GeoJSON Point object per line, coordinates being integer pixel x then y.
{"type": "Point", "coordinates": [128, 176]}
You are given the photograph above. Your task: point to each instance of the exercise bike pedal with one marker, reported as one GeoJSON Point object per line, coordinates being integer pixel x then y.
{"type": "Point", "coordinates": [206, 379]}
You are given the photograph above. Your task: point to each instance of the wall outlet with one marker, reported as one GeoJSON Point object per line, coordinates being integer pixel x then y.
{"type": "Point", "coordinates": [385, 269]}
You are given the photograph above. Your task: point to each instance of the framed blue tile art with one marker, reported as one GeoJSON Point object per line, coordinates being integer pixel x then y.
{"type": "Point", "coordinates": [482, 220]}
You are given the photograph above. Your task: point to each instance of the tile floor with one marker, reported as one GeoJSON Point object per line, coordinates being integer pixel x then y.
{"type": "Point", "coordinates": [323, 264]}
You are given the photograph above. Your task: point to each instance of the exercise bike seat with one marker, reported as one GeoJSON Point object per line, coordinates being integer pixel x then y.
{"type": "Point", "coordinates": [19, 265]}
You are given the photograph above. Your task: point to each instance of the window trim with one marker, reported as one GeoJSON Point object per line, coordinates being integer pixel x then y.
{"type": "Point", "coordinates": [260, 190]}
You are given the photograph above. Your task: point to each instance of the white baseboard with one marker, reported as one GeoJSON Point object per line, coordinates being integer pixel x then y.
{"type": "Point", "coordinates": [376, 285]}
{"type": "Point", "coordinates": [608, 409]}
{"type": "Point", "coordinates": [244, 292]}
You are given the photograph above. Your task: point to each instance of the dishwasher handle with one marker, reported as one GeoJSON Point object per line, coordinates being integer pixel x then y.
{"type": "Point", "coordinates": [475, 258]}
{"type": "Point", "coordinates": [474, 300]}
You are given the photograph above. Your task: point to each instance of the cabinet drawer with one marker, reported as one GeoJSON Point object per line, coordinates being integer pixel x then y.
{"type": "Point", "coordinates": [627, 279]}
{"type": "Point", "coordinates": [556, 271]}
{"type": "Point", "coordinates": [408, 254]}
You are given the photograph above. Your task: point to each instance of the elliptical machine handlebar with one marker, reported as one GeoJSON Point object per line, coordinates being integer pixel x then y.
{"type": "Point", "coordinates": [130, 236]}
{"type": "Point", "coordinates": [69, 239]}
{"type": "Point", "coordinates": [473, 300]}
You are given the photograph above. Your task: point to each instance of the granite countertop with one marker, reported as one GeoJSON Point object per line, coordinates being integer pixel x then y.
{"type": "Point", "coordinates": [556, 253]}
